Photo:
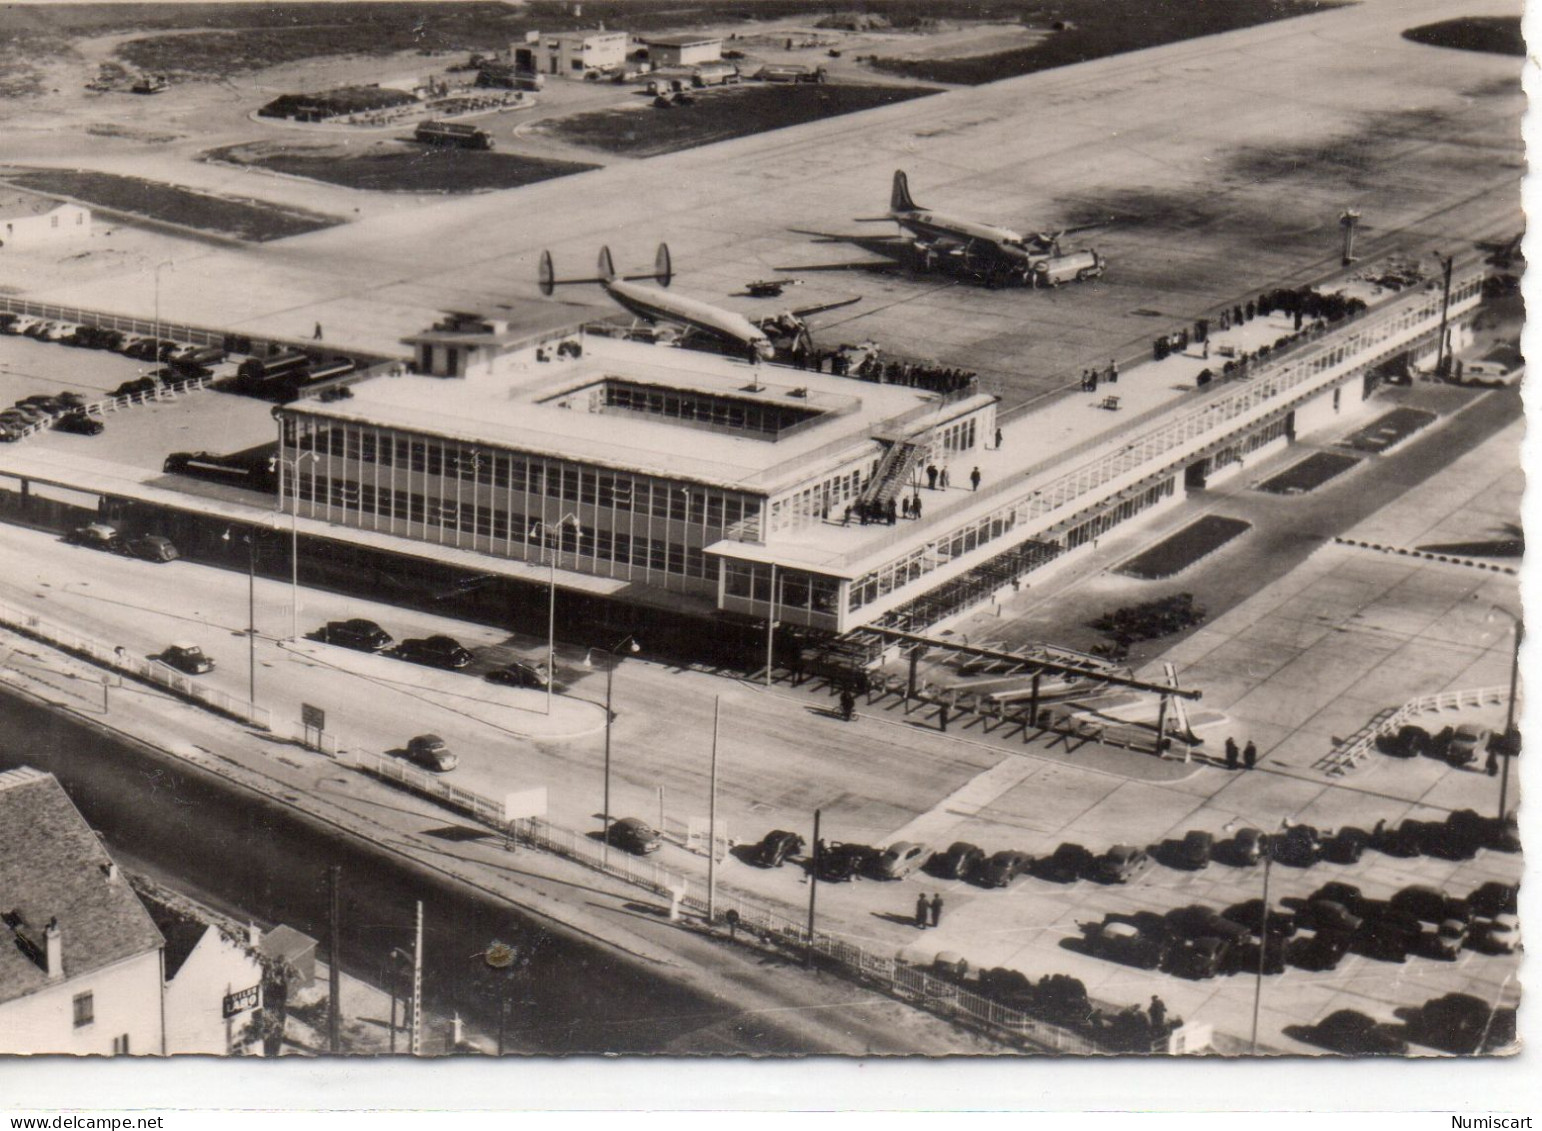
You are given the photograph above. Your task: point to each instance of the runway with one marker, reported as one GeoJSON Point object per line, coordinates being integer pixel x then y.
{"type": "Point", "coordinates": [1222, 165]}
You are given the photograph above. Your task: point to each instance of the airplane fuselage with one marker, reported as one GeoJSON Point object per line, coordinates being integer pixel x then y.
{"type": "Point", "coordinates": [932, 226]}
{"type": "Point", "coordinates": [657, 305]}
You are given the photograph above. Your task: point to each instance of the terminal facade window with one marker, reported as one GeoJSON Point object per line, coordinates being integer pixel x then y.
{"type": "Point", "coordinates": [801, 597]}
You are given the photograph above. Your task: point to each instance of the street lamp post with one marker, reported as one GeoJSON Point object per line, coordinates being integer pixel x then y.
{"type": "Point", "coordinates": [294, 537]}
{"type": "Point", "coordinates": [1263, 924]}
{"type": "Point", "coordinates": [251, 615]}
{"type": "Point", "coordinates": [1506, 748]}
{"type": "Point", "coordinates": [158, 266]}
{"type": "Point", "coordinates": [569, 519]}
{"type": "Point", "coordinates": [630, 642]}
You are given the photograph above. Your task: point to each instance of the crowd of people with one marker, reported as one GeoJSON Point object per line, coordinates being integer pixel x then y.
{"type": "Point", "coordinates": [932, 378]}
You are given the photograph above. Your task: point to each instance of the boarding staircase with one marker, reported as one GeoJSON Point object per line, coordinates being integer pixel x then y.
{"type": "Point", "coordinates": [893, 472]}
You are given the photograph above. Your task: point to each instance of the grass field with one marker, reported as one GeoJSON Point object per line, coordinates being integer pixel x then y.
{"type": "Point", "coordinates": [1500, 35]}
{"type": "Point", "coordinates": [732, 112]}
{"type": "Point", "coordinates": [1308, 474]}
{"type": "Point", "coordinates": [1093, 29]}
{"type": "Point", "coordinates": [415, 170]}
{"type": "Point", "coordinates": [173, 204]}
{"type": "Point", "coordinates": [1182, 549]}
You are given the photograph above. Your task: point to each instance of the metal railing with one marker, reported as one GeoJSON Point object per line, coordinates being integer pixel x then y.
{"type": "Point", "coordinates": [419, 781]}
{"type": "Point", "coordinates": [119, 660]}
{"type": "Point", "coordinates": [1346, 757]}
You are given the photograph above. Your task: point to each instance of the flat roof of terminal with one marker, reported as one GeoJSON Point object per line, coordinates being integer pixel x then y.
{"type": "Point", "coordinates": [520, 406]}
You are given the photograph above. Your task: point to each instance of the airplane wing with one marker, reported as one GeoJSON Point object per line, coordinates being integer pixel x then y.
{"type": "Point", "coordinates": [857, 265]}
{"type": "Point", "coordinates": [805, 311]}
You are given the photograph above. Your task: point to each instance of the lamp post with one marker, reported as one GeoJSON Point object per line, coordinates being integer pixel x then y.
{"type": "Point", "coordinates": [630, 643]}
{"type": "Point", "coordinates": [569, 519]}
{"type": "Point", "coordinates": [294, 537]}
{"type": "Point", "coordinates": [1263, 921]}
{"type": "Point", "coordinates": [1507, 747]}
{"type": "Point", "coordinates": [251, 614]}
{"type": "Point", "coordinates": [158, 266]}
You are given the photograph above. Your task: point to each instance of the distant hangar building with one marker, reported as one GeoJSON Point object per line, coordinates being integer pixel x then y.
{"type": "Point", "coordinates": [684, 50]}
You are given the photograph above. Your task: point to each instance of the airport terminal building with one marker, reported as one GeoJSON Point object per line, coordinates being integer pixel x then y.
{"type": "Point", "coordinates": [715, 486]}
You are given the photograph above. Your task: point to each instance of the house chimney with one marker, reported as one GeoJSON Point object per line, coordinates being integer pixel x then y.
{"type": "Point", "coordinates": [53, 945]}
{"type": "Point", "coordinates": [253, 935]}
{"type": "Point", "coordinates": [110, 870]}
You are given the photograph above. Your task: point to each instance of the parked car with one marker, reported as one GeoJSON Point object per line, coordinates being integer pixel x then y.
{"type": "Point", "coordinates": [1469, 742]}
{"type": "Point", "coordinates": [1193, 851]}
{"type": "Point", "coordinates": [46, 403]}
{"type": "Point", "coordinates": [1244, 849]}
{"type": "Point", "coordinates": [1406, 840]}
{"type": "Point", "coordinates": [1446, 841]}
{"type": "Point", "coordinates": [1498, 935]}
{"type": "Point", "coordinates": [79, 424]}
{"type": "Point", "coordinates": [1001, 868]}
{"type": "Point", "coordinates": [1345, 846]}
{"type": "Point", "coordinates": [97, 535]}
{"type": "Point", "coordinates": [1352, 1032]}
{"type": "Point", "coordinates": [1494, 898]}
{"type": "Point", "coordinates": [1118, 941]}
{"type": "Point", "coordinates": [363, 635]}
{"type": "Point", "coordinates": [1250, 914]}
{"type": "Point", "coordinates": [432, 753]}
{"type": "Point", "coordinates": [1385, 934]}
{"type": "Point", "coordinates": [1121, 864]}
{"type": "Point", "coordinates": [1347, 896]}
{"type": "Point", "coordinates": [960, 859]}
{"type": "Point", "coordinates": [519, 674]}
{"type": "Point", "coordinates": [1326, 915]}
{"type": "Point", "coordinates": [1430, 904]}
{"type": "Point", "coordinates": [841, 862]}
{"type": "Point", "coordinates": [31, 413]}
{"type": "Point", "coordinates": [437, 651]}
{"type": "Point", "coordinates": [1463, 1024]}
{"type": "Point", "coordinates": [71, 401]}
{"type": "Point", "coordinates": [1320, 951]}
{"type": "Point", "coordinates": [633, 835]}
{"type": "Point", "coordinates": [1067, 864]}
{"type": "Point", "coordinates": [189, 658]}
{"type": "Point", "coordinates": [775, 847]}
{"type": "Point", "coordinates": [1444, 941]}
{"type": "Point", "coordinates": [1298, 846]}
{"type": "Point", "coordinates": [1199, 958]}
{"type": "Point", "coordinates": [19, 324]}
{"type": "Point", "coordinates": [152, 548]}
{"type": "Point", "coordinates": [900, 859]}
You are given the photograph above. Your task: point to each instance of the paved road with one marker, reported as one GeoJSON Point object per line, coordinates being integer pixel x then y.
{"type": "Point", "coordinates": [254, 857]}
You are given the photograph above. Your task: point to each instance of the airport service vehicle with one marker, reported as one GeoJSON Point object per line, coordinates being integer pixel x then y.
{"type": "Point", "coordinates": [958, 861]}
{"type": "Point", "coordinates": [1352, 1032]}
{"type": "Point", "coordinates": [519, 675]}
{"type": "Point", "coordinates": [843, 862]}
{"type": "Point", "coordinates": [432, 753]}
{"type": "Point", "coordinates": [460, 134]}
{"type": "Point", "coordinates": [97, 535]}
{"type": "Point", "coordinates": [79, 424]}
{"type": "Point", "coordinates": [256, 473]}
{"type": "Point", "coordinates": [1002, 868]}
{"type": "Point", "coordinates": [436, 651]}
{"type": "Point", "coordinates": [187, 658]}
{"type": "Point", "coordinates": [1071, 267]}
{"type": "Point", "coordinates": [774, 849]}
{"type": "Point", "coordinates": [359, 634]}
{"type": "Point", "coordinates": [152, 548]}
{"type": "Point", "coordinates": [715, 74]}
{"type": "Point", "coordinates": [1121, 864]}
{"type": "Point", "coordinates": [634, 836]}
{"type": "Point", "coordinates": [900, 859]}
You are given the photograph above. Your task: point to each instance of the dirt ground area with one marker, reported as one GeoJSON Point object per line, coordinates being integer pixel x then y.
{"type": "Point", "coordinates": [392, 166]}
{"type": "Point", "coordinates": [646, 131]}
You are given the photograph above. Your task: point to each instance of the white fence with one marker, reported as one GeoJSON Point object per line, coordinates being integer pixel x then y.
{"type": "Point", "coordinates": [1347, 756]}
{"type": "Point", "coordinates": [397, 770]}
{"type": "Point", "coordinates": [119, 660]}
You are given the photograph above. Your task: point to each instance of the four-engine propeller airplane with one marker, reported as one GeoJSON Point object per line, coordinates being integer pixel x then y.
{"type": "Point", "coordinates": [987, 252]}
{"type": "Point", "coordinates": [726, 328]}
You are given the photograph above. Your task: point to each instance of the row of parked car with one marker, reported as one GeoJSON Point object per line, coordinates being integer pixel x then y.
{"type": "Point", "coordinates": [435, 651]}
{"type": "Point", "coordinates": [1458, 746]}
{"type": "Point", "coordinates": [65, 412]}
{"type": "Point", "coordinates": [106, 536]}
{"type": "Point", "coordinates": [1314, 933]}
{"type": "Point", "coordinates": [142, 348]}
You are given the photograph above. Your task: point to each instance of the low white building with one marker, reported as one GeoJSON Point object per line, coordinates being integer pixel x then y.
{"type": "Point", "coordinates": [576, 54]}
{"type": "Point", "coordinates": [80, 958]}
{"type": "Point", "coordinates": [214, 980]}
{"type": "Point", "coordinates": [29, 220]}
{"type": "Point", "coordinates": [684, 50]}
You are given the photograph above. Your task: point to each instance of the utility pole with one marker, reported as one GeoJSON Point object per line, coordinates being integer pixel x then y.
{"type": "Point", "coordinates": [334, 964]}
{"type": "Point", "coordinates": [717, 704]}
{"type": "Point", "coordinates": [415, 1033]}
{"type": "Point", "coordinates": [771, 627]}
{"type": "Point", "coordinates": [1442, 347]}
{"type": "Point", "coordinates": [813, 890]}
